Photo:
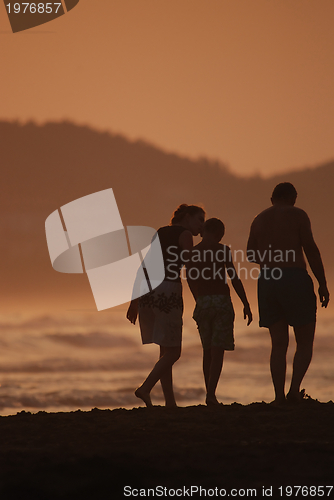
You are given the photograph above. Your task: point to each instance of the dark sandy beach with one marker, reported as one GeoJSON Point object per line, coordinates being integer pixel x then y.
{"type": "Point", "coordinates": [96, 454]}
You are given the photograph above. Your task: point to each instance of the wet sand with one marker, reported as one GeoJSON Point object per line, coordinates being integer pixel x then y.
{"type": "Point", "coordinates": [96, 454]}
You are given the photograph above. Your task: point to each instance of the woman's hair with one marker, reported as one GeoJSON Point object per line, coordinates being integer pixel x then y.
{"type": "Point", "coordinates": [183, 210]}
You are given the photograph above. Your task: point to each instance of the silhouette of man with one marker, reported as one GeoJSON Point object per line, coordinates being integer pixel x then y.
{"type": "Point", "coordinates": [278, 237]}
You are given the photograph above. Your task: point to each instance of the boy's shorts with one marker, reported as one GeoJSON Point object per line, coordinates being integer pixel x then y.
{"type": "Point", "coordinates": [214, 315]}
{"type": "Point", "coordinates": [291, 297]}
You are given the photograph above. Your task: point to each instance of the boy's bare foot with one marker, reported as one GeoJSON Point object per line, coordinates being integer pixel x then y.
{"type": "Point", "coordinates": [211, 401]}
{"type": "Point", "coordinates": [278, 402]}
{"type": "Point", "coordinates": [171, 405]}
{"type": "Point", "coordinates": [145, 396]}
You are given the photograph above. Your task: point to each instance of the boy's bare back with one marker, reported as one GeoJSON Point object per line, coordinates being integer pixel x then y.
{"type": "Point", "coordinates": [211, 262]}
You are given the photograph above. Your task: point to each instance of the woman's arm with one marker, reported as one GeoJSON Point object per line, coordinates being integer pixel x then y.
{"type": "Point", "coordinates": [186, 243]}
{"type": "Point", "coordinates": [132, 311]}
{"type": "Point", "coordinates": [186, 240]}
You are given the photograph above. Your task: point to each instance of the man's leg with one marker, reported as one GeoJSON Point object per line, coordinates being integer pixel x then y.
{"type": "Point", "coordinates": [279, 333]}
{"type": "Point", "coordinates": [304, 339]}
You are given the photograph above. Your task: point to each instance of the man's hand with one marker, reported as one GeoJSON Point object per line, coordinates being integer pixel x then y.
{"type": "Point", "coordinates": [132, 311]}
{"type": "Point", "coordinates": [323, 295]}
{"type": "Point", "coordinates": [248, 314]}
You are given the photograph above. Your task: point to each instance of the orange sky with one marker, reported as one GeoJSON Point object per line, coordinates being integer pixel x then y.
{"type": "Point", "coordinates": [249, 82]}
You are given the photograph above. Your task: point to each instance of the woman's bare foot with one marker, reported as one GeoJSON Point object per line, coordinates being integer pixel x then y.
{"type": "Point", "coordinates": [145, 396]}
{"type": "Point", "coordinates": [211, 401]}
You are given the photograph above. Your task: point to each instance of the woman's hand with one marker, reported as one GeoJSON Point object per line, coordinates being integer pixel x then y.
{"type": "Point", "coordinates": [132, 311]}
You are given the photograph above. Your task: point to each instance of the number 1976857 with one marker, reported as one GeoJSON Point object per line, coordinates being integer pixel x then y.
{"type": "Point", "coordinates": [32, 8]}
{"type": "Point", "coordinates": [312, 491]}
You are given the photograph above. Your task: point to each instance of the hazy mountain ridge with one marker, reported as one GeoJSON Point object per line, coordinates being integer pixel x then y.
{"type": "Point", "coordinates": [44, 167]}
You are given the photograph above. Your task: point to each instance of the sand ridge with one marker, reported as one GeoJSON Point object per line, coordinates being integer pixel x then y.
{"type": "Point", "coordinates": [96, 454]}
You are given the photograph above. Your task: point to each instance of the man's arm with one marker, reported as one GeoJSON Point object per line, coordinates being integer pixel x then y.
{"type": "Point", "coordinates": [314, 258]}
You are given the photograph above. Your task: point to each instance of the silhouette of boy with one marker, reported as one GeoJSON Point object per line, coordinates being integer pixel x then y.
{"type": "Point", "coordinates": [214, 314]}
{"type": "Point", "coordinates": [278, 237]}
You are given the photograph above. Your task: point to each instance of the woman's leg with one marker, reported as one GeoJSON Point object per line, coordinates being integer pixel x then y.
{"type": "Point", "coordinates": [162, 370]}
{"type": "Point", "coordinates": [166, 380]}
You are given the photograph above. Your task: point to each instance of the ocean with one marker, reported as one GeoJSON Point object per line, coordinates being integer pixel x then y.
{"type": "Point", "coordinates": [72, 360]}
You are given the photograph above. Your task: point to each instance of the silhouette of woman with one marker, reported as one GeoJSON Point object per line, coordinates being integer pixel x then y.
{"type": "Point", "coordinates": [160, 311]}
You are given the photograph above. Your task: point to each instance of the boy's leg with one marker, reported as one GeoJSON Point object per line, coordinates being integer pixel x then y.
{"type": "Point", "coordinates": [279, 333]}
{"type": "Point", "coordinates": [205, 331]}
{"type": "Point", "coordinates": [221, 339]}
{"type": "Point", "coordinates": [162, 369]}
{"type": "Point", "coordinates": [206, 366]}
{"type": "Point", "coordinates": [302, 359]}
{"type": "Point", "coordinates": [217, 356]}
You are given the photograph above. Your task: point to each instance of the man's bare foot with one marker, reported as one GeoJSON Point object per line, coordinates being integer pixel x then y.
{"type": "Point", "coordinates": [211, 401]}
{"type": "Point", "coordinates": [145, 396]}
{"type": "Point", "coordinates": [295, 398]}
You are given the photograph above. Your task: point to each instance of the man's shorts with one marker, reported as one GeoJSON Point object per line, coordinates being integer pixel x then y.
{"type": "Point", "coordinates": [214, 315]}
{"type": "Point", "coordinates": [286, 293]}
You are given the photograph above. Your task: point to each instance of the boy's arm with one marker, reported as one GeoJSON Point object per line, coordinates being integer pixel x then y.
{"type": "Point", "coordinates": [193, 285]}
{"type": "Point", "coordinates": [186, 243]}
{"type": "Point", "coordinates": [239, 288]}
